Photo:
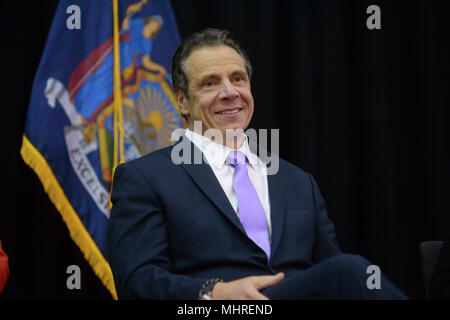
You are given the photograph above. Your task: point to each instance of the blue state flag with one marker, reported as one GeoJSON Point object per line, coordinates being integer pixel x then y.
{"type": "Point", "coordinates": [101, 96]}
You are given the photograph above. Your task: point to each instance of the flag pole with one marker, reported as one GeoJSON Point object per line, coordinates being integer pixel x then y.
{"type": "Point", "coordinates": [118, 113]}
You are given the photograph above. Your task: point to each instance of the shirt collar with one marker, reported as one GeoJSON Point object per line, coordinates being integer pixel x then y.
{"type": "Point", "coordinates": [217, 154]}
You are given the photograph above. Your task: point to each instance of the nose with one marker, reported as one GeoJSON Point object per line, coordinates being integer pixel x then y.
{"type": "Point", "coordinates": [228, 92]}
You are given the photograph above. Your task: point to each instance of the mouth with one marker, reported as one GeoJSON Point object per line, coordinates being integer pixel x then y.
{"type": "Point", "coordinates": [231, 111]}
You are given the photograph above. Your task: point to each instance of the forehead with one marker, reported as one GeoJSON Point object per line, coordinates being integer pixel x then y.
{"type": "Point", "coordinates": [207, 60]}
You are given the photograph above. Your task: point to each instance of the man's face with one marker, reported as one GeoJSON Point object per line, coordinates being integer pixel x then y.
{"type": "Point", "coordinates": [219, 89]}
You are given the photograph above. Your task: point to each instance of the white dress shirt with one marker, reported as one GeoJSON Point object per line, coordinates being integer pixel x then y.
{"type": "Point", "coordinates": [216, 155]}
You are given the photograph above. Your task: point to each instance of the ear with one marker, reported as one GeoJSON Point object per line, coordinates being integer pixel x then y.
{"type": "Point", "coordinates": [182, 101]}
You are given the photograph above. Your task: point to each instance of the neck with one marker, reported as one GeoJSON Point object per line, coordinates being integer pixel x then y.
{"type": "Point", "coordinates": [231, 138]}
{"type": "Point", "coordinates": [235, 140]}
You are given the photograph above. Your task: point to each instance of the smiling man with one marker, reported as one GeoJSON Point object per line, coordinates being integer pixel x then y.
{"type": "Point", "coordinates": [224, 228]}
{"type": "Point", "coordinates": [219, 90]}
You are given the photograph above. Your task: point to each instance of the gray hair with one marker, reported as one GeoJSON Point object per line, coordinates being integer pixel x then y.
{"type": "Point", "coordinates": [206, 38]}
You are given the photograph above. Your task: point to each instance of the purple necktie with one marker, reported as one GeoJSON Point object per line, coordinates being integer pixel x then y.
{"type": "Point", "coordinates": [251, 213]}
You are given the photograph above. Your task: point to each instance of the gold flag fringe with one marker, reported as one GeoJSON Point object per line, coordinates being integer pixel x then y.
{"type": "Point", "coordinates": [77, 231]}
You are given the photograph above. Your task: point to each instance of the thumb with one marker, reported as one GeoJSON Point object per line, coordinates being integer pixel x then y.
{"type": "Point", "coordinates": [271, 280]}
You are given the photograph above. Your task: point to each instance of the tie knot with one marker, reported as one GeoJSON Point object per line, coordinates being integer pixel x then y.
{"type": "Point", "coordinates": [236, 158]}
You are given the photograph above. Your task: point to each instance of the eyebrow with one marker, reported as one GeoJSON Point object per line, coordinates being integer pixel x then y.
{"type": "Point", "coordinates": [241, 73]}
{"type": "Point", "coordinates": [207, 77]}
{"type": "Point", "coordinates": [216, 76]}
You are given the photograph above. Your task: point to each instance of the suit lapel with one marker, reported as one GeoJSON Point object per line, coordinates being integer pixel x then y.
{"type": "Point", "coordinates": [206, 180]}
{"type": "Point", "coordinates": [276, 192]}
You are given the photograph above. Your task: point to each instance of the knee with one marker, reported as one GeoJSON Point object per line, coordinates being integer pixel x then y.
{"type": "Point", "coordinates": [351, 263]}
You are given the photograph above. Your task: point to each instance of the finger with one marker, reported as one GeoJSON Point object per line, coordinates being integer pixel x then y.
{"type": "Point", "coordinates": [256, 295]}
{"type": "Point", "coordinates": [269, 281]}
{"type": "Point", "coordinates": [273, 281]}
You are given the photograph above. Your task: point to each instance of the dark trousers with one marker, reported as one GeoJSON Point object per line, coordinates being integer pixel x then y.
{"type": "Point", "coordinates": [341, 277]}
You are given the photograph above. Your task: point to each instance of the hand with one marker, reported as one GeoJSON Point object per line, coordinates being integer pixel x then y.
{"type": "Point", "coordinates": [245, 288]}
{"type": "Point", "coordinates": [136, 7]}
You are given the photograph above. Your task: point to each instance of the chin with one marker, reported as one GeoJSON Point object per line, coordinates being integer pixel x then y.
{"type": "Point", "coordinates": [236, 126]}
{"type": "Point", "coordinates": [239, 123]}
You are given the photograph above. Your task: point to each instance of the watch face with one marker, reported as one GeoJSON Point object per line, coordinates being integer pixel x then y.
{"type": "Point", "coordinates": [206, 296]}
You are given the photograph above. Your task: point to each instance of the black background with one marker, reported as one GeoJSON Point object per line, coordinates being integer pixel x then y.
{"type": "Point", "coordinates": [365, 111]}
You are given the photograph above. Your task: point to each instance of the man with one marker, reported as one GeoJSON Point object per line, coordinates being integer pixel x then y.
{"type": "Point", "coordinates": [224, 229]}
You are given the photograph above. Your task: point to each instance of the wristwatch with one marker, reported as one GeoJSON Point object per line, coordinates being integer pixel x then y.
{"type": "Point", "coordinates": [206, 290]}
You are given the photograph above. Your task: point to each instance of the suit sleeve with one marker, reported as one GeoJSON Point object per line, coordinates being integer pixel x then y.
{"type": "Point", "coordinates": [138, 243]}
{"type": "Point", "coordinates": [325, 244]}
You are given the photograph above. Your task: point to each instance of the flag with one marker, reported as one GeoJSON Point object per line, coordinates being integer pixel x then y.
{"type": "Point", "coordinates": [101, 96]}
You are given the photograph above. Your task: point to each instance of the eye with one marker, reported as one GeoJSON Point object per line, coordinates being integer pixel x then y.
{"type": "Point", "coordinates": [209, 83]}
{"type": "Point", "coordinates": [237, 78]}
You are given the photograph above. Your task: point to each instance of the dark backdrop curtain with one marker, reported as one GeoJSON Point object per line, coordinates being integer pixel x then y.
{"type": "Point", "coordinates": [365, 111]}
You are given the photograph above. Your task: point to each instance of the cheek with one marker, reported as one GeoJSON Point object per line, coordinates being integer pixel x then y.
{"type": "Point", "coordinates": [246, 95]}
{"type": "Point", "coordinates": [208, 103]}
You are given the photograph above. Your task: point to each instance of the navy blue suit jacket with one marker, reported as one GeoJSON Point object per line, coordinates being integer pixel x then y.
{"type": "Point", "coordinates": [172, 228]}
